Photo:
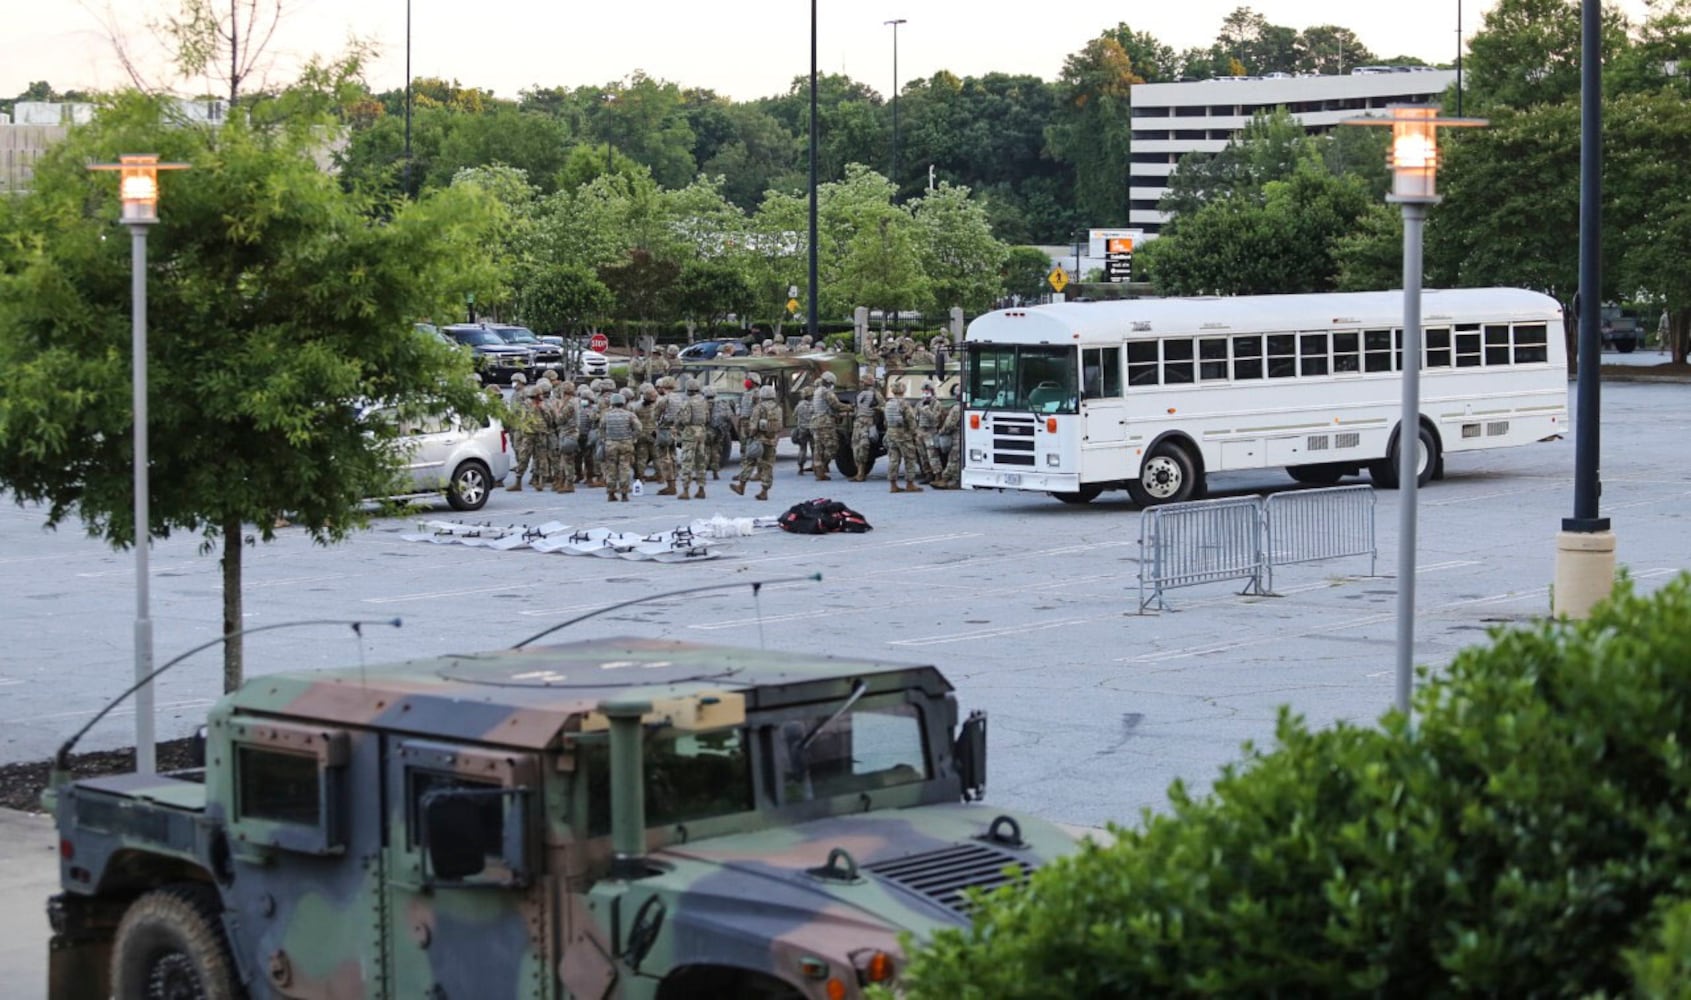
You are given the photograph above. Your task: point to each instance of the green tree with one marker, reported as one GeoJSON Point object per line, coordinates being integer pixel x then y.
{"type": "Point", "coordinates": [278, 302]}
{"type": "Point", "coordinates": [563, 299]}
{"type": "Point", "coordinates": [708, 292]}
{"type": "Point", "coordinates": [643, 283]}
{"type": "Point", "coordinates": [1527, 53]}
{"type": "Point", "coordinates": [760, 155]}
{"type": "Point", "coordinates": [1092, 128]}
{"type": "Point", "coordinates": [1329, 49]}
{"type": "Point", "coordinates": [881, 270]}
{"type": "Point", "coordinates": [1269, 148]}
{"type": "Point", "coordinates": [957, 250]}
{"type": "Point", "coordinates": [1025, 270]}
{"type": "Point", "coordinates": [647, 119]}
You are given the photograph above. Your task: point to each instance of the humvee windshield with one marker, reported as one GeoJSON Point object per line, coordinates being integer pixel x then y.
{"type": "Point", "coordinates": [863, 750]}
{"type": "Point", "coordinates": [689, 776]}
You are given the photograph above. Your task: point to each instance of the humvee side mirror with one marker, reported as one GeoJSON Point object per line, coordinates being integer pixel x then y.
{"type": "Point", "coordinates": [453, 835]}
{"type": "Point", "coordinates": [970, 752]}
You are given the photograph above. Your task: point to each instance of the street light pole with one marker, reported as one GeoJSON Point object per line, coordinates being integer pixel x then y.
{"type": "Point", "coordinates": [810, 308]}
{"type": "Point", "coordinates": [407, 98]}
{"type": "Point", "coordinates": [895, 23]}
{"type": "Point", "coordinates": [139, 190]}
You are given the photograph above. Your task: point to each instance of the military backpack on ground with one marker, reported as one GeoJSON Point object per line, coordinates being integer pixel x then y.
{"type": "Point", "coordinates": [822, 516]}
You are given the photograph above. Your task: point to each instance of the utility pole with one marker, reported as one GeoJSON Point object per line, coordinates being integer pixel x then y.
{"type": "Point", "coordinates": [895, 23]}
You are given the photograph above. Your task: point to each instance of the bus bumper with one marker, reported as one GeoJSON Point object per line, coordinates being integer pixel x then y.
{"type": "Point", "coordinates": [1039, 482]}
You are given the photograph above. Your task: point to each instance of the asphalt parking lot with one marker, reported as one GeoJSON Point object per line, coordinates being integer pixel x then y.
{"type": "Point", "coordinates": [1027, 604]}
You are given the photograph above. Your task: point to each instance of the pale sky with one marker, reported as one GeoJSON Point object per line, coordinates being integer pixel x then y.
{"type": "Point", "coordinates": [743, 49]}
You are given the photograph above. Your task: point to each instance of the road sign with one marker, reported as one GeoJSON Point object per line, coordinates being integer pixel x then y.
{"type": "Point", "coordinates": [598, 342]}
{"type": "Point", "coordinates": [792, 305]}
{"type": "Point", "coordinates": [1059, 278]}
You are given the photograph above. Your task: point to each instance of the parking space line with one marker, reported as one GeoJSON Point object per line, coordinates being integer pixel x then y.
{"type": "Point", "coordinates": [766, 620]}
{"type": "Point", "coordinates": [119, 712]}
{"type": "Point", "coordinates": [432, 595]}
{"type": "Point", "coordinates": [990, 633]}
{"type": "Point", "coordinates": [9, 681]}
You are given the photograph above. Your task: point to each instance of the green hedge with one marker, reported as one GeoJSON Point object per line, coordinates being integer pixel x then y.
{"type": "Point", "coordinates": [1515, 842]}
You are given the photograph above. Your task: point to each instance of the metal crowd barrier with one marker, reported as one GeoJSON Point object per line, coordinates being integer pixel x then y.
{"type": "Point", "coordinates": [1207, 541]}
{"type": "Point", "coordinates": [1309, 525]}
{"type": "Point", "coordinates": [1204, 541]}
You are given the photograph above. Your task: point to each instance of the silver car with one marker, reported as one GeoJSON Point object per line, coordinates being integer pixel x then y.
{"type": "Point", "coordinates": [459, 456]}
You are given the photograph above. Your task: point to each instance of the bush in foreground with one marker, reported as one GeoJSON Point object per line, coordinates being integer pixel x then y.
{"type": "Point", "coordinates": [1514, 842]}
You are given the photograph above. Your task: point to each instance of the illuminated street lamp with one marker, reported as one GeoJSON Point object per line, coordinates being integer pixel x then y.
{"type": "Point", "coordinates": [1414, 161]}
{"type": "Point", "coordinates": [139, 188]}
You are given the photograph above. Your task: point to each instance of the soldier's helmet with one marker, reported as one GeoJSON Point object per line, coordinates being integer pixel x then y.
{"type": "Point", "coordinates": [767, 392]}
{"type": "Point", "coordinates": [710, 392]}
{"type": "Point", "coordinates": [475, 378]}
{"type": "Point", "coordinates": [649, 391]}
{"type": "Point", "coordinates": [898, 388]}
{"type": "Point", "coordinates": [674, 351]}
{"type": "Point", "coordinates": [691, 385]}
{"type": "Point", "coordinates": [617, 400]}
{"type": "Point", "coordinates": [780, 338]}
{"type": "Point", "coordinates": [927, 388]}
{"type": "Point", "coordinates": [551, 373]}
{"type": "Point", "coordinates": [584, 393]}
{"type": "Point", "coordinates": [519, 379]}
{"type": "Point", "coordinates": [666, 382]}
{"type": "Point", "coordinates": [828, 378]}
{"type": "Point", "coordinates": [494, 392]}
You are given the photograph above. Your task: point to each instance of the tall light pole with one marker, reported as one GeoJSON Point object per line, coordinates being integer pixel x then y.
{"type": "Point", "coordinates": [139, 189]}
{"type": "Point", "coordinates": [1414, 163]}
{"type": "Point", "coordinates": [407, 98]}
{"type": "Point", "coordinates": [810, 307]}
{"type": "Point", "coordinates": [1585, 547]}
{"type": "Point", "coordinates": [895, 23]}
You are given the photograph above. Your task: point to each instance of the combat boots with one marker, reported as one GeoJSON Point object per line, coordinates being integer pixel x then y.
{"type": "Point", "coordinates": [668, 490]}
{"type": "Point", "coordinates": [701, 494]}
{"type": "Point", "coordinates": [610, 496]}
{"type": "Point", "coordinates": [892, 485]}
{"type": "Point", "coordinates": [910, 485]}
{"type": "Point", "coordinates": [686, 492]}
{"type": "Point", "coordinates": [516, 487]}
{"type": "Point", "coordinates": [763, 494]}
{"type": "Point", "coordinates": [738, 487]}
{"type": "Point", "coordinates": [822, 475]}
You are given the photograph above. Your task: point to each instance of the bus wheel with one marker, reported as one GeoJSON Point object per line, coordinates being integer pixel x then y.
{"type": "Point", "coordinates": [1167, 477]}
{"type": "Point", "coordinates": [1384, 472]}
{"type": "Point", "coordinates": [1086, 494]}
{"type": "Point", "coordinates": [1317, 475]}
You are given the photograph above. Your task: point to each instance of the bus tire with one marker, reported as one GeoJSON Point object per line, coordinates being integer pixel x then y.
{"type": "Point", "coordinates": [1084, 495]}
{"type": "Point", "coordinates": [1168, 476]}
{"type": "Point", "coordinates": [1384, 472]}
{"type": "Point", "coordinates": [1323, 474]}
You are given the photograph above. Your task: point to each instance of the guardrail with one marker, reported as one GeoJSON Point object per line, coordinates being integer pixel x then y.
{"type": "Point", "coordinates": [1207, 541]}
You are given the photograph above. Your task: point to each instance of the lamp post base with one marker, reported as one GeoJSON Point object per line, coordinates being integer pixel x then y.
{"type": "Point", "coordinates": [1585, 572]}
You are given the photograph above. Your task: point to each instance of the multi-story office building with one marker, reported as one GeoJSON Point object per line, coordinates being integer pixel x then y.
{"type": "Point", "coordinates": [1173, 119]}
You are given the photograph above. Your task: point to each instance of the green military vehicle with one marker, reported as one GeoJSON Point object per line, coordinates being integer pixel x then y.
{"type": "Point", "coordinates": [615, 818]}
{"type": "Point", "coordinates": [943, 379]}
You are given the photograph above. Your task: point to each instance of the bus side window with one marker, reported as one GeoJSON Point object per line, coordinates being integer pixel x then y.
{"type": "Point", "coordinates": [1177, 362]}
{"type": "Point", "coordinates": [1247, 358]}
{"type": "Point", "coordinates": [1496, 345]}
{"type": "Point", "coordinates": [1142, 363]}
{"type": "Point", "coordinates": [1377, 351]}
{"type": "Point", "coordinates": [1101, 372]}
{"type": "Point", "coordinates": [1312, 353]}
{"type": "Point", "coordinates": [1212, 359]}
{"type": "Point", "coordinates": [1531, 345]}
{"type": "Point", "coordinates": [1438, 348]}
{"type": "Point", "coordinates": [1347, 355]}
{"type": "Point", "coordinates": [1468, 346]}
{"type": "Point", "coordinates": [1282, 356]}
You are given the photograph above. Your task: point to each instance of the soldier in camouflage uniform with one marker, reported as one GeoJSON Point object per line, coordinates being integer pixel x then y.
{"type": "Point", "coordinates": [694, 418]}
{"type": "Point", "coordinates": [556, 411]}
{"type": "Point", "coordinates": [762, 427]}
{"type": "Point", "coordinates": [928, 414]}
{"type": "Point", "coordinates": [618, 428]}
{"type": "Point", "coordinates": [646, 410]}
{"type": "Point", "coordinates": [863, 429]}
{"type": "Point", "coordinates": [901, 441]}
{"type": "Point", "coordinates": [719, 429]}
{"type": "Point", "coordinates": [824, 433]}
{"type": "Point", "coordinates": [952, 426]}
{"type": "Point", "coordinates": [801, 430]}
{"type": "Point", "coordinates": [518, 424]}
{"type": "Point", "coordinates": [743, 411]}
{"type": "Point", "coordinates": [669, 429]}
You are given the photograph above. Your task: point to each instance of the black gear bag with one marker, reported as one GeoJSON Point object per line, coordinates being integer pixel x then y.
{"type": "Point", "coordinates": [822, 516]}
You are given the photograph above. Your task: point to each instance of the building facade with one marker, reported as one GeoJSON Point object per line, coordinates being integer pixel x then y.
{"type": "Point", "coordinates": [1173, 119]}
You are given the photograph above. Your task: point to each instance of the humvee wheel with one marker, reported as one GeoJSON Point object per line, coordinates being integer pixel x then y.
{"type": "Point", "coordinates": [170, 946]}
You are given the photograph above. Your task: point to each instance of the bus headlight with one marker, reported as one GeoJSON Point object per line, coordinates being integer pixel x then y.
{"type": "Point", "coordinates": [1052, 460]}
{"type": "Point", "coordinates": [976, 455]}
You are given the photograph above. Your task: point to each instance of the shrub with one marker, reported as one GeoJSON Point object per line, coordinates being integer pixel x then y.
{"type": "Point", "coordinates": [1513, 842]}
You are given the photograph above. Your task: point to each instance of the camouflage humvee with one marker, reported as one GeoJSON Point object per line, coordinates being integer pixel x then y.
{"type": "Point", "coordinates": [794, 377]}
{"type": "Point", "coordinates": [944, 380]}
{"type": "Point", "coordinates": [617, 818]}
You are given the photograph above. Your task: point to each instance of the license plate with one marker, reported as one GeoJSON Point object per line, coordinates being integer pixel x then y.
{"type": "Point", "coordinates": [1012, 479]}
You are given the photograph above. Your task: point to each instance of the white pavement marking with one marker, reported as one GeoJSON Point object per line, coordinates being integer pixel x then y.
{"type": "Point", "coordinates": [115, 713]}
{"type": "Point", "coordinates": [993, 633]}
{"type": "Point", "coordinates": [293, 581]}
{"type": "Point", "coordinates": [765, 620]}
{"type": "Point", "coordinates": [152, 570]}
{"type": "Point", "coordinates": [1650, 502]}
{"type": "Point", "coordinates": [9, 681]}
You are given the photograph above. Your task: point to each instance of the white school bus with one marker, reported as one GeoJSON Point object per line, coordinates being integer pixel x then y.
{"type": "Point", "coordinates": [1152, 395]}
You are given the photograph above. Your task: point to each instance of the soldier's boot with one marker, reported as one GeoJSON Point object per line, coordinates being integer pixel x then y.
{"type": "Point", "coordinates": [763, 494]}
{"type": "Point", "coordinates": [701, 493]}
{"type": "Point", "coordinates": [822, 475]}
{"type": "Point", "coordinates": [686, 492]}
{"type": "Point", "coordinates": [892, 485]}
{"type": "Point", "coordinates": [516, 487]}
{"type": "Point", "coordinates": [559, 486]}
{"type": "Point", "coordinates": [714, 474]}
{"type": "Point", "coordinates": [610, 496]}
{"type": "Point", "coordinates": [569, 484]}
{"type": "Point", "coordinates": [910, 485]}
{"type": "Point", "coordinates": [625, 498]}
{"type": "Point", "coordinates": [668, 490]}
{"type": "Point", "coordinates": [738, 487]}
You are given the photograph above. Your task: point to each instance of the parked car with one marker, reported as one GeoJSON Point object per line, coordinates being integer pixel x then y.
{"type": "Point", "coordinates": [705, 350]}
{"type": "Point", "coordinates": [587, 361]}
{"type": "Point", "coordinates": [546, 355]}
{"type": "Point", "coordinates": [460, 457]}
{"type": "Point", "coordinates": [496, 361]}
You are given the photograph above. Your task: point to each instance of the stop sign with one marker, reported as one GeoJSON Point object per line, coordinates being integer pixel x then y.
{"type": "Point", "coordinates": [598, 342]}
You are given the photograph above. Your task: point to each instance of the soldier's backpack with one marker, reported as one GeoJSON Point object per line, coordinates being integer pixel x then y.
{"type": "Point", "coordinates": [822, 516]}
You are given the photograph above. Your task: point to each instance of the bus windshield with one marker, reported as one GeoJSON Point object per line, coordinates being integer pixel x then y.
{"type": "Point", "coordinates": [1010, 377]}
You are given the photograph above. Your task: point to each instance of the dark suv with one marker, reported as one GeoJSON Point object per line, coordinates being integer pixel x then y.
{"type": "Point", "coordinates": [545, 355]}
{"type": "Point", "coordinates": [496, 360]}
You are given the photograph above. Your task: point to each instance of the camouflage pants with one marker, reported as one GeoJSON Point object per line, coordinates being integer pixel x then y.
{"type": "Point", "coordinates": [954, 462]}
{"type": "Point", "coordinates": [663, 456]}
{"type": "Point", "coordinates": [825, 437]}
{"type": "Point", "coordinates": [619, 466]}
{"type": "Point", "coordinates": [713, 449]}
{"type": "Point", "coordinates": [762, 468]}
{"type": "Point", "coordinates": [933, 463]}
{"type": "Point", "coordinates": [585, 467]}
{"type": "Point", "coordinates": [803, 447]}
{"type": "Point", "coordinates": [692, 456]}
{"type": "Point", "coordinates": [643, 457]}
{"type": "Point", "coordinates": [901, 450]}
{"type": "Point", "coordinates": [863, 444]}
{"type": "Point", "coordinates": [522, 447]}
{"type": "Point", "coordinates": [544, 448]}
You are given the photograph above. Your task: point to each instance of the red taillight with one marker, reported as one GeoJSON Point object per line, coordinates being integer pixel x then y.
{"type": "Point", "coordinates": [67, 850]}
{"type": "Point", "coordinates": [504, 440]}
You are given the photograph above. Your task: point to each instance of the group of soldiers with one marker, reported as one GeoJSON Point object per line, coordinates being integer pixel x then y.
{"type": "Point", "coordinates": [903, 352]}
{"type": "Point", "coordinates": [599, 437]}
{"type": "Point", "coordinates": [922, 437]}
{"type": "Point", "coordinates": [667, 361]}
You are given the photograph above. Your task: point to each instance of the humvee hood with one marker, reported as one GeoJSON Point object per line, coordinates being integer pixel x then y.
{"type": "Point", "coordinates": [908, 869]}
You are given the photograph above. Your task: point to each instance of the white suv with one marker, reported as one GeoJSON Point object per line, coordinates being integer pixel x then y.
{"type": "Point", "coordinates": [460, 457]}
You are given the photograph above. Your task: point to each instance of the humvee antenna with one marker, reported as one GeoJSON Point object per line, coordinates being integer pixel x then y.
{"type": "Point", "coordinates": [756, 586]}
{"type": "Point", "coordinates": [61, 760]}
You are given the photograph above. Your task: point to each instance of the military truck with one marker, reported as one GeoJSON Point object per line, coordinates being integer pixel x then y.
{"type": "Point", "coordinates": [943, 379]}
{"type": "Point", "coordinates": [615, 818]}
{"type": "Point", "coordinates": [794, 377]}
